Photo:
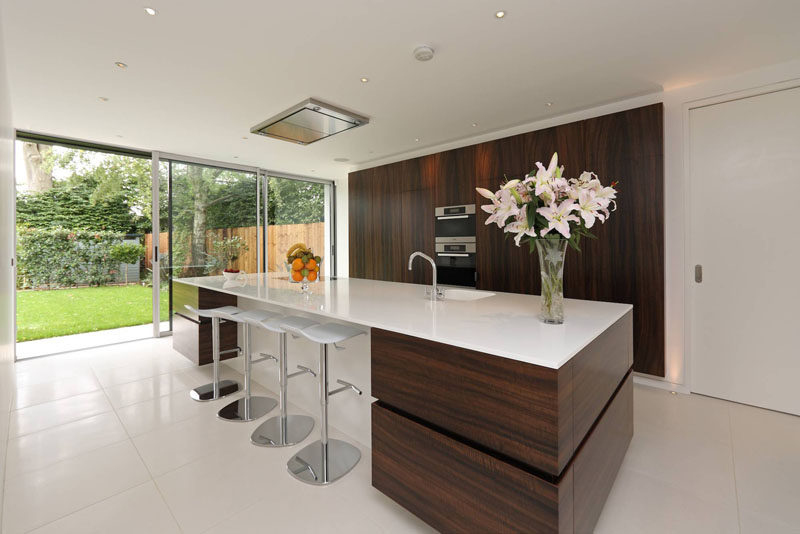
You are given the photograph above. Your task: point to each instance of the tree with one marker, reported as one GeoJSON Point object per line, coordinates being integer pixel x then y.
{"type": "Point", "coordinates": [38, 166]}
{"type": "Point", "coordinates": [127, 253]}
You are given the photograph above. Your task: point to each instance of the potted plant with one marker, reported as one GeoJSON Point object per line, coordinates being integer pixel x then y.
{"type": "Point", "coordinates": [549, 211]}
{"type": "Point", "coordinates": [228, 251]}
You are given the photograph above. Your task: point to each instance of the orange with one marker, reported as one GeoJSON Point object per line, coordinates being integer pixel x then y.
{"type": "Point", "coordinates": [311, 263]}
{"type": "Point", "coordinates": [297, 276]}
{"type": "Point", "coordinates": [312, 276]}
{"type": "Point", "coordinates": [297, 264]}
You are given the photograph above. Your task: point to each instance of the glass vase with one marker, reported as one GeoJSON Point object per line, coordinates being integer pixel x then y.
{"type": "Point", "coordinates": [551, 266]}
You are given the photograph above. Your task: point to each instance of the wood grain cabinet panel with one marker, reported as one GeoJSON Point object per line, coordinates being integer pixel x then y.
{"type": "Point", "coordinates": [534, 415]}
{"type": "Point", "coordinates": [625, 263]}
{"type": "Point", "coordinates": [191, 335]}
{"type": "Point", "coordinates": [457, 488]}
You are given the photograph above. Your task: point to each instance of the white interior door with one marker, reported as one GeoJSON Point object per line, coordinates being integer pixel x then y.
{"type": "Point", "coordinates": [745, 216]}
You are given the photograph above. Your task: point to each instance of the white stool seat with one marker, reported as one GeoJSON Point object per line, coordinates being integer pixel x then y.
{"type": "Point", "coordinates": [290, 323]}
{"type": "Point", "coordinates": [224, 312]}
{"type": "Point", "coordinates": [218, 388]}
{"type": "Point", "coordinates": [330, 333]}
{"type": "Point", "coordinates": [254, 317]}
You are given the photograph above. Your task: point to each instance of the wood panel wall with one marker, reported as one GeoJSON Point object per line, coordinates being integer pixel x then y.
{"type": "Point", "coordinates": [391, 215]}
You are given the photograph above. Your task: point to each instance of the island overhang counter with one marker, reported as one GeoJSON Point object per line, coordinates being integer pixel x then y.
{"type": "Point", "coordinates": [484, 418]}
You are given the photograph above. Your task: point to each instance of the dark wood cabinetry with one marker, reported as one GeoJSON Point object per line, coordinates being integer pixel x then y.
{"type": "Point", "coordinates": [391, 215]}
{"type": "Point", "coordinates": [471, 442]}
{"type": "Point", "coordinates": [191, 335]}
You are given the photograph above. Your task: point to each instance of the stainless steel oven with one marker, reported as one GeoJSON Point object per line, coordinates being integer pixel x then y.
{"type": "Point", "coordinates": [455, 245]}
{"type": "Point", "coordinates": [455, 223]}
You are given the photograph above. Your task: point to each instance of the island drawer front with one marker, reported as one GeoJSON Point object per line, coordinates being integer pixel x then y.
{"type": "Point", "coordinates": [191, 335]}
{"type": "Point", "coordinates": [536, 415]}
{"type": "Point", "coordinates": [199, 298]}
{"type": "Point", "coordinates": [459, 489]}
{"type": "Point", "coordinates": [504, 405]}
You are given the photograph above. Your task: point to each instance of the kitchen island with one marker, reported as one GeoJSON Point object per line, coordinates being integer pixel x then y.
{"type": "Point", "coordinates": [484, 419]}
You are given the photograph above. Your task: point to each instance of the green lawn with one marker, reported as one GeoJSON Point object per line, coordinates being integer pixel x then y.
{"type": "Point", "coordinates": [59, 312]}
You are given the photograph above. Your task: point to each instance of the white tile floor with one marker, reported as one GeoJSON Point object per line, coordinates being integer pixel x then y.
{"type": "Point", "coordinates": [107, 440]}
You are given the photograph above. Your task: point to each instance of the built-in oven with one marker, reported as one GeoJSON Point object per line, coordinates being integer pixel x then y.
{"type": "Point", "coordinates": [455, 223]}
{"type": "Point", "coordinates": [455, 245]}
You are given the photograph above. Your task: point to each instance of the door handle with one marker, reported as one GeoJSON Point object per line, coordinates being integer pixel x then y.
{"type": "Point", "coordinates": [698, 273]}
{"type": "Point", "coordinates": [440, 218]}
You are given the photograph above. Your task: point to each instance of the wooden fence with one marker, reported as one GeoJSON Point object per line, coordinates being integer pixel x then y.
{"type": "Point", "coordinates": [279, 239]}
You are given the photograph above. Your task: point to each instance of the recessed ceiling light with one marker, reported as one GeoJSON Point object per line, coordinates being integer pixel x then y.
{"type": "Point", "coordinates": [548, 104]}
{"type": "Point", "coordinates": [121, 65]}
{"type": "Point", "coordinates": [364, 79]}
{"type": "Point", "coordinates": [235, 157]}
{"type": "Point", "coordinates": [474, 124]}
{"type": "Point", "coordinates": [150, 11]}
{"type": "Point", "coordinates": [416, 140]}
{"type": "Point", "coordinates": [500, 14]}
{"type": "Point", "coordinates": [118, 135]}
{"type": "Point", "coordinates": [341, 160]}
{"type": "Point", "coordinates": [102, 98]}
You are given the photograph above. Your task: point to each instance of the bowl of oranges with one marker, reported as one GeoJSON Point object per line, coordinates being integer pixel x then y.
{"type": "Point", "coordinates": [302, 264]}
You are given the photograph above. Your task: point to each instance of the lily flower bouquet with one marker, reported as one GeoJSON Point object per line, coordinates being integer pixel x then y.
{"type": "Point", "coordinates": [548, 212]}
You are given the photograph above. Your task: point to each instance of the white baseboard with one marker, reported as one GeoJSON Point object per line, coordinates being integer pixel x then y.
{"type": "Point", "coordinates": [643, 380]}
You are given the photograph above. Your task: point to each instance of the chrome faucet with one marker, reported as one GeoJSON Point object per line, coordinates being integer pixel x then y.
{"type": "Point", "coordinates": [435, 293]}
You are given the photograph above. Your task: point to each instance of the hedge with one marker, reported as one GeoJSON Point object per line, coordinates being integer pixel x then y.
{"type": "Point", "coordinates": [72, 207]}
{"type": "Point", "coordinates": [57, 257]}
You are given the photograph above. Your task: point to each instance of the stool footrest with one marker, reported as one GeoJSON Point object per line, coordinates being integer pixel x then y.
{"type": "Point", "coordinates": [345, 387]}
{"type": "Point", "coordinates": [237, 349]}
{"type": "Point", "coordinates": [303, 370]}
{"type": "Point", "coordinates": [264, 357]}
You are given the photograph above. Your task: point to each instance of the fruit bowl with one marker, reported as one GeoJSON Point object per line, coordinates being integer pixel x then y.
{"type": "Point", "coordinates": [302, 265]}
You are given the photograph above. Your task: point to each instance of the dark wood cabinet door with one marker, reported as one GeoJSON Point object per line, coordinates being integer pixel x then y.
{"type": "Point", "coordinates": [391, 215]}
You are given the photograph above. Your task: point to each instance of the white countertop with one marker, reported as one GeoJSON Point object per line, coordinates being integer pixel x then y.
{"type": "Point", "coordinates": [505, 324]}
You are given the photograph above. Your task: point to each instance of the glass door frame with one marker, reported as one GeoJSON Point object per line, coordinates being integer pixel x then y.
{"type": "Point", "coordinates": [262, 218]}
{"type": "Point", "coordinates": [169, 158]}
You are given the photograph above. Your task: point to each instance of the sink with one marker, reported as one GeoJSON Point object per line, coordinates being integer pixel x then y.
{"type": "Point", "coordinates": [466, 294]}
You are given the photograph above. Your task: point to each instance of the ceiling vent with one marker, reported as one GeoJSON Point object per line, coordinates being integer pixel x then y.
{"type": "Point", "coordinates": [308, 122]}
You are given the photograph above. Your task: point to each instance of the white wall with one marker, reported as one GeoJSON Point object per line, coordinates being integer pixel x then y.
{"type": "Point", "coordinates": [6, 271]}
{"type": "Point", "coordinates": [676, 267]}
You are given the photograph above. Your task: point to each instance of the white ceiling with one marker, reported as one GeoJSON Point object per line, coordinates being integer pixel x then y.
{"type": "Point", "coordinates": [202, 72]}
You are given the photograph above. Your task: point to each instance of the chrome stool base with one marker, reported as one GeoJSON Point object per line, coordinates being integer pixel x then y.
{"type": "Point", "coordinates": [206, 391]}
{"type": "Point", "coordinates": [282, 431]}
{"type": "Point", "coordinates": [247, 409]}
{"type": "Point", "coordinates": [316, 465]}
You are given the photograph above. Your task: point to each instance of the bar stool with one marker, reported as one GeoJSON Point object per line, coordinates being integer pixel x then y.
{"type": "Point", "coordinates": [284, 429]}
{"type": "Point", "coordinates": [218, 388]}
{"type": "Point", "coordinates": [326, 460]}
{"type": "Point", "coordinates": [249, 408]}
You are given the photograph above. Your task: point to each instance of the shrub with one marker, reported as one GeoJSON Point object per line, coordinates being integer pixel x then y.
{"type": "Point", "coordinates": [57, 257]}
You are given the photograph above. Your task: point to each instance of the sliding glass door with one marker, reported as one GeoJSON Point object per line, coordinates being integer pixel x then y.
{"type": "Point", "coordinates": [83, 217]}
{"type": "Point", "coordinates": [210, 221]}
{"type": "Point", "coordinates": [299, 211]}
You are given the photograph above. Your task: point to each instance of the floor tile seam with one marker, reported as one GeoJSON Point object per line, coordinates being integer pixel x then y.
{"type": "Point", "coordinates": [683, 488]}
{"type": "Point", "coordinates": [111, 409]}
{"type": "Point", "coordinates": [733, 466]}
{"type": "Point", "coordinates": [87, 506]}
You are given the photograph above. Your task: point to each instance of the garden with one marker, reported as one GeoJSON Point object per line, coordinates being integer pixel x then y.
{"type": "Point", "coordinates": [84, 234]}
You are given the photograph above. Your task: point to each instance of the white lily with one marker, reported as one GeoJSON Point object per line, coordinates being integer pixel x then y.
{"type": "Point", "coordinates": [504, 207]}
{"type": "Point", "coordinates": [558, 217]}
{"type": "Point", "coordinates": [520, 226]}
{"type": "Point", "coordinates": [589, 208]}
{"type": "Point", "coordinates": [485, 193]}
